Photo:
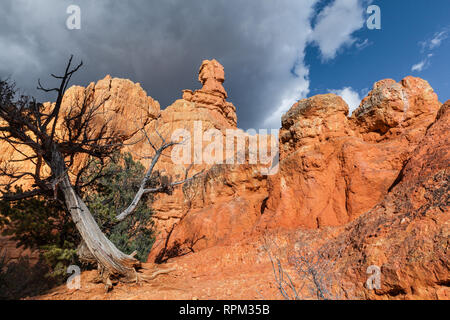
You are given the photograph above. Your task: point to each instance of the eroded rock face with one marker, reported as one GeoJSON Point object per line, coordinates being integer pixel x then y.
{"type": "Point", "coordinates": [407, 234]}
{"type": "Point", "coordinates": [212, 76]}
{"type": "Point", "coordinates": [333, 169]}
{"type": "Point", "coordinates": [392, 108]}
{"type": "Point", "coordinates": [313, 120]}
{"type": "Point", "coordinates": [220, 207]}
{"type": "Point", "coordinates": [205, 109]}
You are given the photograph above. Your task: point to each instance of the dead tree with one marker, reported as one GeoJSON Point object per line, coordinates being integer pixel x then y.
{"type": "Point", "coordinates": [314, 270]}
{"type": "Point", "coordinates": [283, 281]}
{"type": "Point", "coordinates": [31, 129]}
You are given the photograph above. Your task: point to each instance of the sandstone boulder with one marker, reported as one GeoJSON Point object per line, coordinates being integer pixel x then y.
{"type": "Point", "coordinates": [392, 108]}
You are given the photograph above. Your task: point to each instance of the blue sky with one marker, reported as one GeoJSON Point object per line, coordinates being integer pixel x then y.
{"type": "Point", "coordinates": [392, 51]}
{"type": "Point", "coordinates": [274, 52]}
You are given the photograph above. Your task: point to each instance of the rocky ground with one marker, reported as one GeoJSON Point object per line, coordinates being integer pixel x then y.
{"type": "Point", "coordinates": [216, 273]}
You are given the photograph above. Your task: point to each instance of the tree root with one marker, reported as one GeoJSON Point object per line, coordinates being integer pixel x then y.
{"type": "Point", "coordinates": [110, 280]}
{"type": "Point", "coordinates": [155, 274]}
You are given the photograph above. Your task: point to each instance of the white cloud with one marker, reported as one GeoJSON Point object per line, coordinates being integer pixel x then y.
{"type": "Point", "coordinates": [364, 44]}
{"type": "Point", "coordinates": [350, 96]}
{"type": "Point", "coordinates": [335, 26]}
{"type": "Point", "coordinates": [427, 46]}
{"type": "Point", "coordinates": [419, 66]}
{"type": "Point", "coordinates": [422, 65]}
{"type": "Point", "coordinates": [436, 41]}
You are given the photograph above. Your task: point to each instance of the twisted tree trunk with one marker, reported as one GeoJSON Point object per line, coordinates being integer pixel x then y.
{"type": "Point", "coordinates": [104, 251]}
{"type": "Point", "coordinates": [111, 261]}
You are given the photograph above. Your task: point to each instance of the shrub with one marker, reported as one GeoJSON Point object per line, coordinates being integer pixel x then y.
{"type": "Point", "coordinates": [21, 279]}
{"type": "Point", "coordinates": [43, 225]}
{"type": "Point", "coordinates": [111, 194]}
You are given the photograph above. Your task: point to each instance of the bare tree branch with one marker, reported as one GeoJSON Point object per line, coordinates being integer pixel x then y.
{"type": "Point", "coordinates": [161, 189]}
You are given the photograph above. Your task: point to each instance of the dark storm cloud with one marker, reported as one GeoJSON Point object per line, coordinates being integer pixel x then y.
{"type": "Point", "coordinates": [161, 44]}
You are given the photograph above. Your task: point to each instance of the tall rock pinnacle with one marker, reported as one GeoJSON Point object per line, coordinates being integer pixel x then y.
{"type": "Point", "coordinates": [213, 95]}
{"type": "Point", "coordinates": [212, 76]}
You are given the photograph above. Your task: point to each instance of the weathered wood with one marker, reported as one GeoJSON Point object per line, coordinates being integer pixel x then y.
{"type": "Point", "coordinates": [161, 189]}
{"type": "Point", "coordinates": [104, 251]}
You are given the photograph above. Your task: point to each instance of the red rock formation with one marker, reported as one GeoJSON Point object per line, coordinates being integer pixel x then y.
{"type": "Point", "coordinates": [208, 108]}
{"type": "Point", "coordinates": [392, 109]}
{"type": "Point", "coordinates": [213, 95]}
{"type": "Point", "coordinates": [407, 233]}
{"type": "Point", "coordinates": [127, 107]}
{"type": "Point", "coordinates": [373, 187]}
{"type": "Point", "coordinates": [221, 207]}
{"type": "Point", "coordinates": [333, 169]}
